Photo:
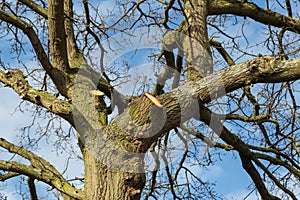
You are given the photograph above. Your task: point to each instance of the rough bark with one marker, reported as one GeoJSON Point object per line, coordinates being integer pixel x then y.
{"type": "Point", "coordinates": [104, 182]}
{"type": "Point", "coordinates": [196, 46]}
{"type": "Point", "coordinates": [176, 108]}
{"type": "Point", "coordinates": [58, 47]}
{"type": "Point", "coordinates": [57, 35]}
{"type": "Point", "coordinates": [243, 8]}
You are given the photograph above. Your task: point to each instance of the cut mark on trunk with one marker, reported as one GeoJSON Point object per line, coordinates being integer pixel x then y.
{"type": "Point", "coordinates": [153, 99]}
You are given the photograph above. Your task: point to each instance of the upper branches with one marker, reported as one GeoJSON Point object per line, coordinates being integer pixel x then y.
{"type": "Point", "coordinates": [242, 8]}
{"type": "Point", "coordinates": [75, 57]}
{"type": "Point", "coordinates": [59, 77]}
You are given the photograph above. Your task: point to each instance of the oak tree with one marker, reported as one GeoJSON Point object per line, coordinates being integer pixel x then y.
{"type": "Point", "coordinates": [208, 55]}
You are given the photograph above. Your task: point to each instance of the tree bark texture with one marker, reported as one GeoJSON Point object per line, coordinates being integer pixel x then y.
{"type": "Point", "coordinates": [104, 182]}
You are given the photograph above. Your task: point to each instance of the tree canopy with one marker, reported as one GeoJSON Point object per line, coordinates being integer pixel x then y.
{"type": "Point", "coordinates": [152, 91]}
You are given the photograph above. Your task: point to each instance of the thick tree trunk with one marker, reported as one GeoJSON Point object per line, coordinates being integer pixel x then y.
{"type": "Point", "coordinates": [105, 183]}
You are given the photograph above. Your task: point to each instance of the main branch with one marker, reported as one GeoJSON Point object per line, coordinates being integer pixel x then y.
{"type": "Point", "coordinates": [17, 81]}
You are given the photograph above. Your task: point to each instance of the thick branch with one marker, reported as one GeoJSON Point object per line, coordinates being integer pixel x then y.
{"type": "Point", "coordinates": [242, 8]}
{"type": "Point", "coordinates": [258, 70]}
{"type": "Point", "coordinates": [36, 161]}
{"type": "Point", "coordinates": [72, 49]}
{"type": "Point", "coordinates": [196, 46]}
{"type": "Point", "coordinates": [17, 81]}
{"type": "Point", "coordinates": [40, 169]}
{"type": "Point", "coordinates": [179, 104]}
{"type": "Point", "coordinates": [75, 58]}
{"type": "Point", "coordinates": [45, 176]}
{"type": "Point", "coordinates": [35, 7]}
{"type": "Point", "coordinates": [57, 35]}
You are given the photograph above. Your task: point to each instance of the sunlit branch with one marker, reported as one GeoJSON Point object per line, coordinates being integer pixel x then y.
{"type": "Point", "coordinates": [17, 81]}
{"type": "Point", "coordinates": [265, 16]}
{"type": "Point", "coordinates": [35, 7]}
{"type": "Point", "coordinates": [6, 176]}
{"type": "Point", "coordinates": [59, 77]}
{"type": "Point", "coordinates": [40, 169]}
{"type": "Point", "coordinates": [57, 35]}
{"type": "Point", "coordinates": [258, 70]}
{"type": "Point", "coordinates": [42, 175]}
{"type": "Point", "coordinates": [75, 57]}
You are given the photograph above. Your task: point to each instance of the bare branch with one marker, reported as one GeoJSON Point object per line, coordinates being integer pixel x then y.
{"type": "Point", "coordinates": [35, 7]}
{"type": "Point", "coordinates": [75, 58]}
{"type": "Point", "coordinates": [57, 35]}
{"type": "Point", "coordinates": [32, 189]}
{"type": "Point", "coordinates": [41, 169]}
{"type": "Point", "coordinates": [258, 70]}
{"type": "Point", "coordinates": [17, 80]}
{"type": "Point", "coordinates": [280, 162]}
{"type": "Point", "coordinates": [222, 51]}
{"type": "Point", "coordinates": [59, 77]}
{"type": "Point", "coordinates": [4, 177]}
{"type": "Point", "coordinates": [274, 179]}
{"type": "Point", "coordinates": [265, 16]}
{"type": "Point", "coordinates": [246, 155]}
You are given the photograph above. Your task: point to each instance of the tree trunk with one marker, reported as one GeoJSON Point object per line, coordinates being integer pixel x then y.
{"type": "Point", "coordinates": [105, 183]}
